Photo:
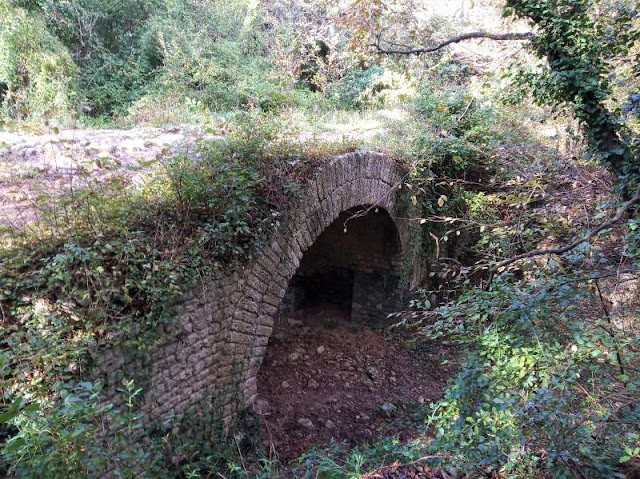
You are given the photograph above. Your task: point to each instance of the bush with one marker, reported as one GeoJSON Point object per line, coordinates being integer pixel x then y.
{"type": "Point", "coordinates": [114, 54]}
{"type": "Point", "coordinates": [214, 53]}
{"type": "Point", "coordinates": [57, 439]}
{"type": "Point", "coordinates": [358, 89]}
{"type": "Point", "coordinates": [105, 39]}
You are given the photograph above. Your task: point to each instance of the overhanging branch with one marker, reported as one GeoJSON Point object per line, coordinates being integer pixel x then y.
{"type": "Point", "coordinates": [459, 38]}
{"type": "Point", "coordinates": [564, 249]}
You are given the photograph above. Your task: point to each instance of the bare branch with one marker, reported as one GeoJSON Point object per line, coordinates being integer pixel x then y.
{"type": "Point", "coordinates": [564, 249]}
{"type": "Point", "coordinates": [459, 38]}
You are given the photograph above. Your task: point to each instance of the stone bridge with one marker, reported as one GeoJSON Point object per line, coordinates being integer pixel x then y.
{"type": "Point", "coordinates": [346, 239]}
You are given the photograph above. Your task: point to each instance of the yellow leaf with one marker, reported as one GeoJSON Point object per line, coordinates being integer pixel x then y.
{"type": "Point", "coordinates": [457, 159]}
{"type": "Point", "coordinates": [414, 200]}
{"type": "Point", "coordinates": [441, 108]}
{"type": "Point", "coordinates": [442, 200]}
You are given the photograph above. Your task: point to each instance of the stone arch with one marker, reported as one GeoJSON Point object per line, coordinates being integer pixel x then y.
{"type": "Point", "coordinates": [355, 263]}
{"type": "Point", "coordinates": [355, 180]}
{"type": "Point", "coordinates": [216, 347]}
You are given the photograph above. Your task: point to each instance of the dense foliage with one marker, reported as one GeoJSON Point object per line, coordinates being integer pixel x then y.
{"type": "Point", "coordinates": [113, 54]}
{"type": "Point", "coordinates": [35, 67]}
{"type": "Point", "coordinates": [583, 44]}
{"type": "Point", "coordinates": [549, 382]}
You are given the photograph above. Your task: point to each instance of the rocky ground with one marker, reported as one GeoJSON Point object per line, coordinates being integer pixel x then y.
{"type": "Point", "coordinates": [62, 148]}
{"type": "Point", "coordinates": [325, 377]}
{"type": "Point", "coordinates": [37, 167]}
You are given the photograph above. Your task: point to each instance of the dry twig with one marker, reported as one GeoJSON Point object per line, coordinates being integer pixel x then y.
{"type": "Point", "coordinates": [564, 249]}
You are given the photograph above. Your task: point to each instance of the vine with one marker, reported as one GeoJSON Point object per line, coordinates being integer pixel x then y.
{"type": "Point", "coordinates": [582, 46]}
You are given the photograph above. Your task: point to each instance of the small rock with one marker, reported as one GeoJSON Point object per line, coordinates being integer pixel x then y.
{"type": "Point", "coordinates": [294, 357]}
{"type": "Point", "coordinates": [285, 385]}
{"type": "Point", "coordinates": [262, 407]}
{"type": "Point", "coordinates": [373, 373]}
{"type": "Point", "coordinates": [421, 400]}
{"type": "Point", "coordinates": [329, 424]}
{"type": "Point", "coordinates": [30, 152]}
{"type": "Point", "coordinates": [320, 350]}
{"type": "Point", "coordinates": [349, 396]}
{"type": "Point", "coordinates": [306, 423]}
{"type": "Point", "coordinates": [312, 384]}
{"type": "Point", "coordinates": [294, 322]}
{"type": "Point", "coordinates": [392, 379]}
{"type": "Point", "coordinates": [388, 408]}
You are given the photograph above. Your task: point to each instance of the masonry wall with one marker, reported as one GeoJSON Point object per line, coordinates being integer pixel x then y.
{"type": "Point", "coordinates": [217, 345]}
{"type": "Point", "coordinates": [366, 243]}
{"type": "Point", "coordinates": [375, 295]}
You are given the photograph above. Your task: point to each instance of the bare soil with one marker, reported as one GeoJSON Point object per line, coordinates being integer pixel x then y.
{"type": "Point", "coordinates": [325, 377]}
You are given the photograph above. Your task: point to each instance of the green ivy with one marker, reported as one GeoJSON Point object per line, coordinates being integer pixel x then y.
{"type": "Point", "coordinates": [581, 41]}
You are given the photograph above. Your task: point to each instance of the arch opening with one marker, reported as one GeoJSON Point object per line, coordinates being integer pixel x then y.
{"type": "Point", "coordinates": [354, 265]}
{"type": "Point", "coordinates": [328, 366]}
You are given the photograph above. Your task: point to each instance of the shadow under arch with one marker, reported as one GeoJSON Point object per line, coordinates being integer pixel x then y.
{"type": "Point", "coordinates": [354, 263]}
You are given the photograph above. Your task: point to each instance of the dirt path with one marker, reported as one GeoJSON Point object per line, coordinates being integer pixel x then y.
{"type": "Point", "coordinates": [325, 377]}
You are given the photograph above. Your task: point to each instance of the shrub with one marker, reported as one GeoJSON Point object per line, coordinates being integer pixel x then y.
{"type": "Point", "coordinates": [35, 67]}
{"type": "Point", "coordinates": [214, 53]}
{"type": "Point", "coordinates": [358, 88]}
{"type": "Point", "coordinates": [57, 439]}
{"type": "Point", "coordinates": [549, 385]}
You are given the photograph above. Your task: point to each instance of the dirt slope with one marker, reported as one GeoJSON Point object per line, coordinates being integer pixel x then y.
{"type": "Point", "coordinates": [325, 377]}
